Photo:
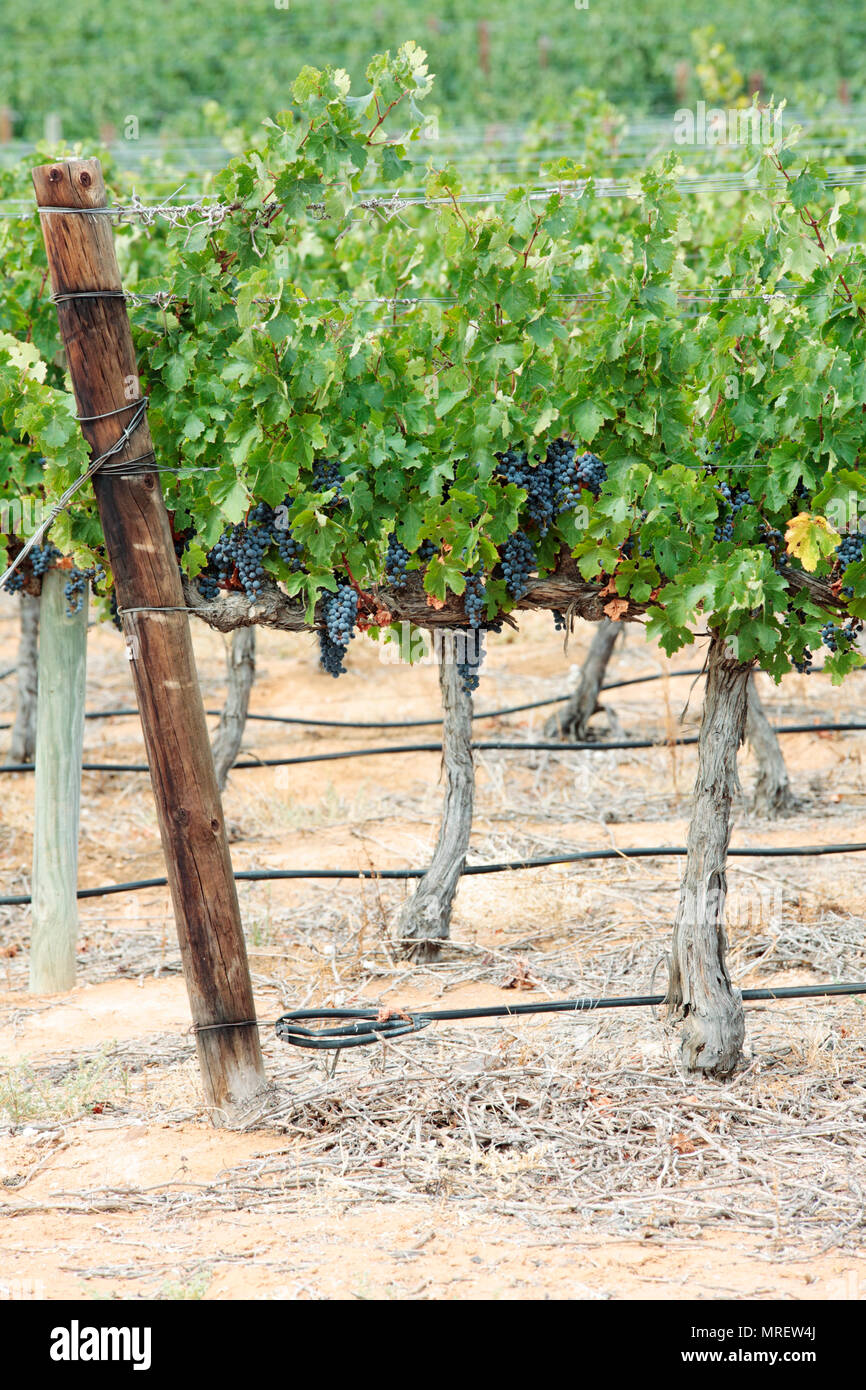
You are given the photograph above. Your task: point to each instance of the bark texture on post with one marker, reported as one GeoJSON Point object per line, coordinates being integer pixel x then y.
{"type": "Point", "coordinates": [426, 917]}
{"type": "Point", "coordinates": [241, 663]}
{"type": "Point", "coordinates": [772, 795]}
{"type": "Point", "coordinates": [699, 987]}
{"type": "Point", "coordinates": [572, 720]}
{"type": "Point", "coordinates": [102, 366]}
{"type": "Point", "coordinates": [59, 741]}
{"type": "Point", "coordinates": [23, 745]}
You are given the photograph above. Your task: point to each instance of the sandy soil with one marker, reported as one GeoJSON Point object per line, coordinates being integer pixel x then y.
{"type": "Point", "coordinates": [558, 1159]}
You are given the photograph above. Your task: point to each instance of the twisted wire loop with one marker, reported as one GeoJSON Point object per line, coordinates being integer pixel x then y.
{"type": "Point", "coordinates": [139, 406]}
{"type": "Point", "coordinates": [367, 1026]}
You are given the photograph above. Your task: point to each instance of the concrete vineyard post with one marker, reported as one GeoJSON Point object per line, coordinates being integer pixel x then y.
{"type": "Point", "coordinates": [59, 741]}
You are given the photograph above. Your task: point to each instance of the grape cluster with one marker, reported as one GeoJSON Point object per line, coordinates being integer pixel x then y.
{"type": "Point", "coordinates": [42, 557]}
{"type": "Point", "coordinates": [732, 504]}
{"type": "Point", "coordinates": [805, 666]}
{"type": "Point", "coordinates": [15, 583]}
{"type": "Point", "coordinates": [243, 548]}
{"type": "Point", "coordinates": [251, 542]}
{"type": "Point", "coordinates": [848, 552]}
{"type": "Point", "coordinates": [74, 589]}
{"type": "Point", "coordinates": [552, 484]}
{"type": "Point", "coordinates": [469, 667]}
{"type": "Point", "coordinates": [831, 635]}
{"type": "Point", "coordinates": [222, 557]}
{"type": "Point", "coordinates": [396, 561]}
{"type": "Point", "coordinates": [339, 612]}
{"type": "Point", "coordinates": [114, 611]}
{"type": "Point", "coordinates": [536, 481]}
{"type": "Point", "coordinates": [474, 598]}
{"type": "Point", "coordinates": [327, 477]}
{"type": "Point", "coordinates": [518, 562]}
{"type": "Point", "coordinates": [566, 487]}
{"type": "Point", "coordinates": [559, 623]}
{"type": "Point", "coordinates": [591, 472]}
{"type": "Point", "coordinates": [426, 551]}
{"type": "Point", "coordinates": [207, 586]}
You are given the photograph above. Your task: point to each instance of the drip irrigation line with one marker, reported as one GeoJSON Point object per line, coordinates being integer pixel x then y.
{"type": "Point", "coordinates": [394, 723]}
{"type": "Point", "coordinates": [508, 866]}
{"type": "Point", "coordinates": [481, 746]}
{"type": "Point", "coordinates": [372, 1026]}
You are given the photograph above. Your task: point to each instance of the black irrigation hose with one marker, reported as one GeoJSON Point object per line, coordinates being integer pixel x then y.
{"type": "Point", "coordinates": [398, 723]}
{"type": "Point", "coordinates": [371, 1026]}
{"type": "Point", "coordinates": [581, 856]}
{"type": "Point", "coordinates": [485, 745]}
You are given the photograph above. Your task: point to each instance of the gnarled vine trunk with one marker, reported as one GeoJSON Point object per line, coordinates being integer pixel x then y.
{"type": "Point", "coordinates": [241, 664]}
{"type": "Point", "coordinates": [571, 722]}
{"type": "Point", "coordinates": [772, 795]}
{"type": "Point", "coordinates": [699, 987]}
{"type": "Point", "coordinates": [425, 919]}
{"type": "Point", "coordinates": [22, 749]}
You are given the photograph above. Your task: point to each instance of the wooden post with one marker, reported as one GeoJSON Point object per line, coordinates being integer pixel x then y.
{"type": "Point", "coordinates": [59, 741]}
{"type": "Point", "coordinates": [104, 374]}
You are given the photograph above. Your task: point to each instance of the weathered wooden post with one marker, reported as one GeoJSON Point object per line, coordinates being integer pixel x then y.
{"type": "Point", "coordinates": [59, 741]}
{"type": "Point", "coordinates": [95, 330]}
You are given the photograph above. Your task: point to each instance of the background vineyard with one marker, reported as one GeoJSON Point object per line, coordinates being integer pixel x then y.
{"type": "Point", "coordinates": [162, 61]}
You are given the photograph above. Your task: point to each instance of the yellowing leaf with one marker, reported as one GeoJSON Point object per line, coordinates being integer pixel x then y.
{"type": "Point", "coordinates": [809, 537]}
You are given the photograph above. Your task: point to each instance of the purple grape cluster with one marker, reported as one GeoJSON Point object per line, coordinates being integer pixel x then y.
{"type": "Point", "coordinates": [396, 561]}
{"type": "Point", "coordinates": [591, 472]}
{"type": "Point", "coordinates": [474, 599]}
{"type": "Point", "coordinates": [339, 612]}
{"type": "Point", "coordinates": [518, 562]}
{"type": "Point", "coordinates": [469, 668]}
{"type": "Point", "coordinates": [832, 635]}
{"type": "Point", "coordinates": [327, 477]}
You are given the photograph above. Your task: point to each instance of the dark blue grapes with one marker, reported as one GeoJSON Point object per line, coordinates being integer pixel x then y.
{"type": "Point", "coordinates": [732, 504]}
{"type": "Point", "coordinates": [396, 561]}
{"type": "Point", "coordinates": [537, 482]}
{"type": "Point", "coordinates": [849, 551]}
{"type": "Point", "coordinates": [42, 557]}
{"type": "Point", "coordinates": [474, 599]}
{"type": "Point", "coordinates": [339, 612]}
{"type": "Point", "coordinates": [832, 636]}
{"type": "Point", "coordinates": [805, 666]}
{"type": "Point", "coordinates": [591, 472]}
{"type": "Point", "coordinates": [518, 562]}
{"type": "Point", "coordinates": [251, 544]}
{"type": "Point", "coordinates": [426, 551]}
{"type": "Point", "coordinates": [15, 583]}
{"type": "Point", "coordinates": [563, 476]}
{"type": "Point", "coordinates": [559, 622]}
{"type": "Point", "coordinates": [327, 477]}
{"type": "Point", "coordinates": [208, 586]}
{"type": "Point", "coordinates": [74, 589]}
{"type": "Point", "coordinates": [469, 665]}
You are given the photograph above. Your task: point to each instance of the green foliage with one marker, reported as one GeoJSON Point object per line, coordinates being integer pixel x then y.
{"type": "Point", "coordinates": [552, 311]}
{"type": "Point", "coordinates": [164, 64]}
